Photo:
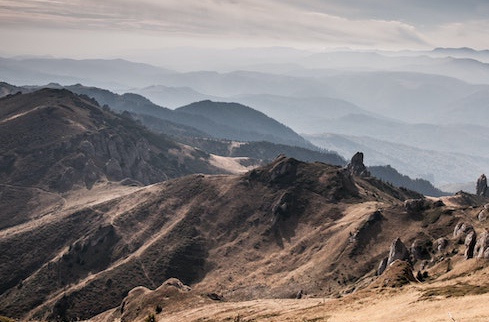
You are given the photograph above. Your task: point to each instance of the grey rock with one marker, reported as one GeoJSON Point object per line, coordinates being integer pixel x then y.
{"type": "Point", "coordinates": [398, 251]}
{"type": "Point", "coordinates": [483, 214]}
{"type": "Point", "coordinates": [283, 166]}
{"type": "Point", "coordinates": [90, 174]}
{"type": "Point", "coordinates": [481, 187]}
{"type": "Point", "coordinates": [356, 166]}
{"type": "Point", "coordinates": [382, 266]}
{"type": "Point", "coordinates": [87, 148]}
{"type": "Point", "coordinates": [143, 149]}
{"type": "Point", "coordinates": [461, 230]}
{"type": "Point", "coordinates": [438, 203]}
{"type": "Point", "coordinates": [113, 169]}
{"type": "Point", "coordinates": [481, 249]}
{"type": "Point", "coordinates": [175, 282]}
{"type": "Point", "coordinates": [415, 205]}
{"type": "Point", "coordinates": [420, 249]}
{"type": "Point", "coordinates": [469, 243]}
{"type": "Point", "coordinates": [441, 244]}
{"type": "Point", "coordinates": [299, 295]}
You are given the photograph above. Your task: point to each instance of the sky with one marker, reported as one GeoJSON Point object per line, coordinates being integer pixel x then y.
{"type": "Point", "coordinates": [108, 28]}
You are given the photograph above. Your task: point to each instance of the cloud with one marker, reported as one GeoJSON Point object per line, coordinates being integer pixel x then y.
{"type": "Point", "coordinates": [248, 19]}
{"type": "Point", "coordinates": [307, 23]}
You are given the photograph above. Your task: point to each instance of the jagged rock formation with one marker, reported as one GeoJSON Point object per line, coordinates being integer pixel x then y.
{"type": "Point", "coordinates": [481, 186]}
{"type": "Point", "coordinates": [398, 251]}
{"type": "Point", "coordinates": [356, 166]}
{"type": "Point", "coordinates": [416, 205]}
{"type": "Point", "coordinates": [382, 266]}
{"type": "Point", "coordinates": [441, 244]}
{"type": "Point", "coordinates": [481, 249]}
{"type": "Point", "coordinates": [421, 249]}
{"type": "Point", "coordinates": [57, 140]}
{"type": "Point", "coordinates": [484, 213]}
{"type": "Point", "coordinates": [461, 231]}
{"type": "Point", "coordinates": [469, 244]}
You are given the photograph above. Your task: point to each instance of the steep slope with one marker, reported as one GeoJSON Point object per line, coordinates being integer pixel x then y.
{"type": "Point", "coordinates": [246, 121]}
{"type": "Point", "coordinates": [261, 128]}
{"type": "Point", "coordinates": [54, 141]}
{"type": "Point", "coordinates": [269, 233]}
{"type": "Point", "coordinates": [391, 175]}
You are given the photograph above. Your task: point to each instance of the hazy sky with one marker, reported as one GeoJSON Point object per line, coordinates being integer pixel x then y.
{"type": "Point", "coordinates": [97, 28]}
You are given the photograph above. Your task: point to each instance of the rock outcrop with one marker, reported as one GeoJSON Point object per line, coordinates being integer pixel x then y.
{"type": "Point", "coordinates": [470, 242]}
{"type": "Point", "coordinates": [420, 249]}
{"type": "Point", "coordinates": [484, 213]}
{"type": "Point", "coordinates": [481, 249]}
{"type": "Point", "coordinates": [283, 170]}
{"type": "Point", "coordinates": [397, 274]}
{"type": "Point", "coordinates": [356, 166]}
{"type": "Point", "coordinates": [461, 231]}
{"type": "Point", "coordinates": [441, 244]}
{"type": "Point", "coordinates": [416, 205]}
{"type": "Point", "coordinates": [382, 266]}
{"type": "Point", "coordinates": [481, 187]}
{"type": "Point", "coordinates": [398, 251]}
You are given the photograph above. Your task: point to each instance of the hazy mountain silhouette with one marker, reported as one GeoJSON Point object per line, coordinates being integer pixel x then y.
{"type": "Point", "coordinates": [436, 166]}
{"type": "Point", "coordinates": [391, 175]}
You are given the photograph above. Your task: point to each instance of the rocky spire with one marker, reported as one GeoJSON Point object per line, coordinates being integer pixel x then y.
{"type": "Point", "coordinates": [481, 187]}
{"type": "Point", "coordinates": [356, 166]}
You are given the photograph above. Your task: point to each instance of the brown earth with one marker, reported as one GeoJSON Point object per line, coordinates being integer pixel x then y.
{"type": "Point", "coordinates": [267, 234]}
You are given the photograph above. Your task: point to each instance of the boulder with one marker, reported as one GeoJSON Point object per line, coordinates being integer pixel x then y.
{"type": "Point", "coordinates": [416, 205]}
{"type": "Point", "coordinates": [284, 167]}
{"type": "Point", "coordinates": [441, 244]}
{"type": "Point", "coordinates": [299, 295]}
{"type": "Point", "coordinates": [481, 187]}
{"type": "Point", "coordinates": [398, 251]}
{"type": "Point", "coordinates": [461, 231]}
{"type": "Point", "coordinates": [483, 214]}
{"type": "Point", "coordinates": [175, 282]}
{"type": "Point", "coordinates": [87, 148]}
{"type": "Point", "coordinates": [421, 249]}
{"type": "Point", "coordinates": [113, 169]}
{"type": "Point", "coordinates": [438, 203]}
{"type": "Point", "coordinates": [356, 166]}
{"type": "Point", "coordinates": [470, 242]}
{"type": "Point", "coordinates": [215, 297]}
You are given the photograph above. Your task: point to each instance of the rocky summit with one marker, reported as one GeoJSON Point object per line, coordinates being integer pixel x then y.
{"type": "Point", "coordinates": [481, 186]}
{"type": "Point", "coordinates": [356, 166]}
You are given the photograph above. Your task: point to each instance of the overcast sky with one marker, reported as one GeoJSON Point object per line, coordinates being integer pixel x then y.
{"type": "Point", "coordinates": [98, 28]}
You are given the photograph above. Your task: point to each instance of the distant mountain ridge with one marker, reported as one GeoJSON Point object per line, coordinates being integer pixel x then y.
{"type": "Point", "coordinates": [259, 127]}
{"type": "Point", "coordinates": [391, 175]}
{"type": "Point", "coordinates": [438, 167]}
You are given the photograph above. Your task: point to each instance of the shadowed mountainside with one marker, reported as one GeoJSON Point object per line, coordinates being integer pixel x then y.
{"type": "Point", "coordinates": [280, 228]}
{"type": "Point", "coordinates": [54, 141]}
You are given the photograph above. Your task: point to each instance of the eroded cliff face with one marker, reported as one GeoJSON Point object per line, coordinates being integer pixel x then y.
{"type": "Point", "coordinates": [57, 140]}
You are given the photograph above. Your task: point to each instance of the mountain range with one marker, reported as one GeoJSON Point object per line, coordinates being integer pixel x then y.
{"type": "Point", "coordinates": [116, 208]}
